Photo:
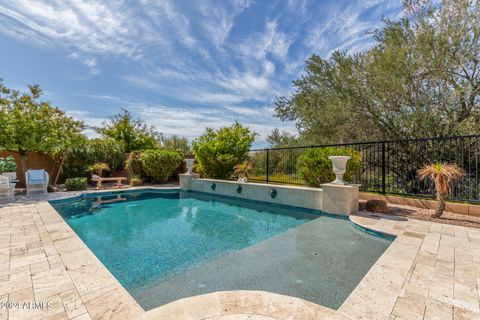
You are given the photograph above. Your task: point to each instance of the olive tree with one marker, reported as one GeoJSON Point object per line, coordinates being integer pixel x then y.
{"type": "Point", "coordinates": [420, 79]}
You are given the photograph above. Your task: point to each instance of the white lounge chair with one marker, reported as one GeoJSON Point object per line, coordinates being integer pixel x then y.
{"type": "Point", "coordinates": [7, 191]}
{"type": "Point", "coordinates": [36, 181]}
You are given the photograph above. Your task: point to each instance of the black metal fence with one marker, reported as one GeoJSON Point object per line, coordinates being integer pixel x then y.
{"type": "Point", "coordinates": [388, 167]}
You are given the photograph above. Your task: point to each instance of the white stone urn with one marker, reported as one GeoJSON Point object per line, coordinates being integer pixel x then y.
{"type": "Point", "coordinates": [339, 168]}
{"type": "Point", "coordinates": [189, 163]}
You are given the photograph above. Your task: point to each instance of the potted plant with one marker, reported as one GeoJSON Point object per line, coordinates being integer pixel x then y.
{"type": "Point", "coordinates": [8, 167]}
{"type": "Point", "coordinates": [243, 168]}
{"type": "Point", "coordinates": [442, 174]}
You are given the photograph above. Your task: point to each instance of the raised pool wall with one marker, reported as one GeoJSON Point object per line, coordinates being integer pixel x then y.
{"type": "Point", "coordinates": [331, 198]}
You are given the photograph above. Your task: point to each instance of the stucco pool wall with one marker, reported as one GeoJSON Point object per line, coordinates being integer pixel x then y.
{"type": "Point", "coordinates": [331, 198]}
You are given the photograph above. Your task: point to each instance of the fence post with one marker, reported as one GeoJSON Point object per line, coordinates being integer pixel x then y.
{"type": "Point", "coordinates": [267, 165]}
{"type": "Point", "coordinates": [383, 168]}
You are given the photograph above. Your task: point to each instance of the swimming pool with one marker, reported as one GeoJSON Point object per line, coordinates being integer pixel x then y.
{"type": "Point", "coordinates": [169, 244]}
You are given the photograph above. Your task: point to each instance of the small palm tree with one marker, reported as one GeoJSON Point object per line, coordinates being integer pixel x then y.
{"type": "Point", "coordinates": [99, 167]}
{"type": "Point", "coordinates": [243, 168]}
{"type": "Point", "coordinates": [442, 174]}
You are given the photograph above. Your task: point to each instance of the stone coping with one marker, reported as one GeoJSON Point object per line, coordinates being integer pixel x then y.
{"type": "Point", "coordinates": [241, 304]}
{"type": "Point", "coordinates": [430, 271]}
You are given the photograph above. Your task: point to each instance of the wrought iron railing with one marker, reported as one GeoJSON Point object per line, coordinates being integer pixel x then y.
{"type": "Point", "coordinates": [388, 167]}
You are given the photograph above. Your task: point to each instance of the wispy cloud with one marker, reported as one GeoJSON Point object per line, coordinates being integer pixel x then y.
{"type": "Point", "coordinates": [185, 121]}
{"type": "Point", "coordinates": [221, 59]}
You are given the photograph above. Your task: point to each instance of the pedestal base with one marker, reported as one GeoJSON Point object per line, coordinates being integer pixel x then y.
{"type": "Point", "coordinates": [186, 180]}
{"type": "Point", "coordinates": [340, 199]}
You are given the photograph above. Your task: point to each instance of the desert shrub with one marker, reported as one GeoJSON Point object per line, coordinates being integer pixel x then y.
{"type": "Point", "coordinates": [217, 152]}
{"type": "Point", "coordinates": [74, 184]}
{"type": "Point", "coordinates": [314, 167]}
{"type": "Point", "coordinates": [160, 164]}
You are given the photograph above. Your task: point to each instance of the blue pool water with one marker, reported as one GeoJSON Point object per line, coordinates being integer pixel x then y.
{"type": "Point", "coordinates": [151, 241]}
{"type": "Point", "coordinates": [142, 237]}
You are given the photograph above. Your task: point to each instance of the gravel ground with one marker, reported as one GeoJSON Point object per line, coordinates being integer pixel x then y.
{"type": "Point", "coordinates": [425, 214]}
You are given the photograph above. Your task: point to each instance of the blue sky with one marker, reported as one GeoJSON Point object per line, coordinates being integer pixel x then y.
{"type": "Point", "coordinates": [180, 65]}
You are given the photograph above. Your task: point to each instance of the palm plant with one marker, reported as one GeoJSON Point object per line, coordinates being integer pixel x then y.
{"type": "Point", "coordinates": [243, 168]}
{"type": "Point", "coordinates": [99, 167]}
{"type": "Point", "coordinates": [442, 174]}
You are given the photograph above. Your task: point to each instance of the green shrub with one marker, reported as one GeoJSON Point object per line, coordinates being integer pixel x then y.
{"type": "Point", "coordinates": [217, 152]}
{"type": "Point", "coordinates": [104, 150]}
{"type": "Point", "coordinates": [76, 163]}
{"type": "Point", "coordinates": [8, 164]}
{"type": "Point", "coordinates": [314, 167]}
{"type": "Point", "coordinates": [74, 184]}
{"type": "Point", "coordinates": [160, 164]}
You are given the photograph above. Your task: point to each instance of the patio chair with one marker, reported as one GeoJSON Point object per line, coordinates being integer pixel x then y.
{"type": "Point", "coordinates": [36, 181]}
{"type": "Point", "coordinates": [7, 191]}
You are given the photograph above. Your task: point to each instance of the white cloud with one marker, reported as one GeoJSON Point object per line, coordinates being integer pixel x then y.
{"type": "Point", "coordinates": [345, 28]}
{"type": "Point", "coordinates": [202, 54]}
{"type": "Point", "coordinates": [90, 27]}
{"type": "Point", "coordinates": [192, 122]}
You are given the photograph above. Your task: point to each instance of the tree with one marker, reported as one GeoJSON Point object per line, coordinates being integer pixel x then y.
{"type": "Point", "coordinates": [277, 139]}
{"type": "Point", "coordinates": [217, 152]}
{"type": "Point", "coordinates": [175, 142]}
{"type": "Point", "coordinates": [420, 79]}
{"type": "Point", "coordinates": [133, 132]}
{"type": "Point", "coordinates": [442, 175]}
{"type": "Point", "coordinates": [27, 124]}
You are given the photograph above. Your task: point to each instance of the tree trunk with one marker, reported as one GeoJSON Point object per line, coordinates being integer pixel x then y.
{"type": "Point", "coordinates": [440, 206]}
{"type": "Point", "coordinates": [23, 163]}
{"type": "Point", "coordinates": [59, 171]}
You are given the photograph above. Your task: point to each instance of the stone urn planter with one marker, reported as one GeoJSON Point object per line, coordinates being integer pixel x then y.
{"type": "Point", "coordinates": [339, 168]}
{"type": "Point", "coordinates": [189, 163]}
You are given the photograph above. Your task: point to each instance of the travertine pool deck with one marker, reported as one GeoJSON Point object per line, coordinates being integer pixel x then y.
{"type": "Point", "coordinates": [430, 271]}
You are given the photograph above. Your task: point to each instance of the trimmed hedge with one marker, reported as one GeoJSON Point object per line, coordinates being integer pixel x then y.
{"type": "Point", "coordinates": [314, 167]}
{"type": "Point", "coordinates": [75, 184]}
{"type": "Point", "coordinates": [160, 164]}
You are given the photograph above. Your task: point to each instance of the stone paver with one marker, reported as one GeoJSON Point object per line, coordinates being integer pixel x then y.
{"type": "Point", "coordinates": [430, 271]}
{"type": "Point", "coordinates": [47, 272]}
